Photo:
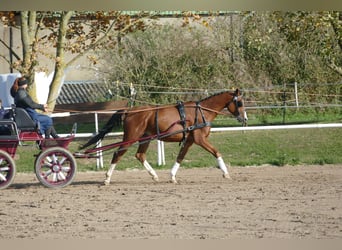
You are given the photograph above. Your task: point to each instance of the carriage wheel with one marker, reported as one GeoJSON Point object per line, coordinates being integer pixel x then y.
{"type": "Point", "coordinates": [55, 167]}
{"type": "Point", "coordinates": [7, 169]}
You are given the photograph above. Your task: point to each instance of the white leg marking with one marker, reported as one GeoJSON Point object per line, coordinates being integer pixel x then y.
{"type": "Point", "coordinates": [151, 171]}
{"type": "Point", "coordinates": [174, 172]}
{"type": "Point", "coordinates": [109, 174]}
{"type": "Point", "coordinates": [223, 167]}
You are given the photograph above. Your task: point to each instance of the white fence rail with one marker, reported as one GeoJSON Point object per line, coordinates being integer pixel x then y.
{"type": "Point", "coordinates": [297, 126]}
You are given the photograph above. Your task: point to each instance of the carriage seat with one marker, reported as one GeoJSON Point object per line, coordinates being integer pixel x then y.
{"type": "Point", "coordinates": [24, 121]}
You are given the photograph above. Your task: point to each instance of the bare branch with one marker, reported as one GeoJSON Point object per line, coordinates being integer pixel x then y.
{"type": "Point", "coordinates": [3, 57]}
{"type": "Point", "coordinates": [92, 46]}
{"type": "Point", "coordinates": [9, 48]}
{"type": "Point", "coordinates": [102, 39]}
{"type": "Point", "coordinates": [336, 68]}
{"type": "Point", "coordinates": [40, 24]}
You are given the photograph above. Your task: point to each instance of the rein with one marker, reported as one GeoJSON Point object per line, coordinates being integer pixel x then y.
{"type": "Point", "coordinates": [141, 110]}
{"type": "Point", "coordinates": [141, 140]}
{"type": "Point", "coordinates": [122, 112]}
{"type": "Point", "coordinates": [145, 109]}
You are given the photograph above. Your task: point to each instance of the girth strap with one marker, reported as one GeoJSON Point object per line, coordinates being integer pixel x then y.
{"type": "Point", "coordinates": [157, 122]}
{"type": "Point", "coordinates": [204, 122]}
{"type": "Point", "coordinates": [180, 106]}
{"type": "Point", "coordinates": [197, 125]}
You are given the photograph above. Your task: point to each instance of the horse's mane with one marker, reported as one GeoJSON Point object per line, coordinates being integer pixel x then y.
{"type": "Point", "coordinates": [219, 93]}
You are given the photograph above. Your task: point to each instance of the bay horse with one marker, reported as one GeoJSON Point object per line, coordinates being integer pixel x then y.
{"type": "Point", "coordinates": [187, 123]}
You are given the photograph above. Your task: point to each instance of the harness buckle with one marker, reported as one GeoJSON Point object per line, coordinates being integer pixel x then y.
{"type": "Point", "coordinates": [190, 128]}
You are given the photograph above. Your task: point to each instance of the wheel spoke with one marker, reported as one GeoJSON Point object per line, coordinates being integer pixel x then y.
{"type": "Point", "coordinates": [48, 159]}
{"type": "Point", "coordinates": [2, 177]}
{"type": "Point", "coordinates": [47, 165]}
{"type": "Point", "coordinates": [66, 169]}
{"type": "Point", "coordinates": [61, 176]}
{"type": "Point", "coordinates": [54, 177]}
{"type": "Point", "coordinates": [55, 158]}
{"type": "Point", "coordinates": [62, 160]}
{"type": "Point", "coordinates": [2, 169]}
{"type": "Point", "coordinates": [47, 173]}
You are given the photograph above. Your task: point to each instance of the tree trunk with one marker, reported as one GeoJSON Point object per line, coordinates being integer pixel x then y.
{"type": "Point", "coordinates": [28, 32]}
{"type": "Point", "coordinates": [60, 60]}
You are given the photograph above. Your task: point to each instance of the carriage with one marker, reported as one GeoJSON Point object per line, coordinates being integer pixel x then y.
{"type": "Point", "coordinates": [55, 166]}
{"type": "Point", "coordinates": [186, 123]}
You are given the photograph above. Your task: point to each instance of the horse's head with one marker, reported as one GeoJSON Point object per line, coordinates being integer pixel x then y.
{"type": "Point", "coordinates": [237, 108]}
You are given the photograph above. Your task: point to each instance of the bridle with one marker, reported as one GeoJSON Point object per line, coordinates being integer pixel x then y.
{"type": "Point", "coordinates": [237, 100]}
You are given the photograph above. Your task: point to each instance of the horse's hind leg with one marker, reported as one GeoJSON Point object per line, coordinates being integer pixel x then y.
{"type": "Point", "coordinates": [116, 157]}
{"type": "Point", "coordinates": [141, 156]}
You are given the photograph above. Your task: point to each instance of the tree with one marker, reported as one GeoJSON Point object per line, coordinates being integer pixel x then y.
{"type": "Point", "coordinates": [318, 32]}
{"type": "Point", "coordinates": [180, 55]}
{"type": "Point", "coordinates": [248, 49]}
{"type": "Point", "coordinates": [294, 46]}
{"type": "Point", "coordinates": [68, 33]}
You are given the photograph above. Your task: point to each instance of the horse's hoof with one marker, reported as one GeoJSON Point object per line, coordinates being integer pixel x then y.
{"type": "Point", "coordinates": [106, 182]}
{"type": "Point", "coordinates": [226, 176]}
{"type": "Point", "coordinates": [173, 180]}
{"type": "Point", "coordinates": [155, 178]}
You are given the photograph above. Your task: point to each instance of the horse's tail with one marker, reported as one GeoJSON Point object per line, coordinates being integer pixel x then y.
{"type": "Point", "coordinates": [111, 123]}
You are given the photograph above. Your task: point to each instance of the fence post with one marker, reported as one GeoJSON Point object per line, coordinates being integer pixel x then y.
{"type": "Point", "coordinates": [284, 103]}
{"type": "Point", "coordinates": [99, 161]}
{"type": "Point", "coordinates": [161, 154]}
{"type": "Point", "coordinates": [296, 95]}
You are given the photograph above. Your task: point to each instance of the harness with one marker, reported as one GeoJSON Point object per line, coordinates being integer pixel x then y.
{"type": "Point", "coordinates": [182, 121]}
{"type": "Point", "coordinates": [197, 125]}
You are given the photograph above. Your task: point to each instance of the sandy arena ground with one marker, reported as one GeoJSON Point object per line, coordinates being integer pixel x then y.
{"type": "Point", "coordinates": [259, 202]}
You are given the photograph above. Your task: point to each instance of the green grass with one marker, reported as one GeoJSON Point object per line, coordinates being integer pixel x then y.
{"type": "Point", "coordinates": [239, 148]}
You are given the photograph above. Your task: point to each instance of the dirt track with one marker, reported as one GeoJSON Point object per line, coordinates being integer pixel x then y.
{"type": "Point", "coordinates": [259, 202]}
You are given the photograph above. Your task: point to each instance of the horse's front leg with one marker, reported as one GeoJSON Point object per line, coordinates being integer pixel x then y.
{"type": "Point", "coordinates": [141, 156]}
{"type": "Point", "coordinates": [223, 167]}
{"type": "Point", "coordinates": [204, 143]}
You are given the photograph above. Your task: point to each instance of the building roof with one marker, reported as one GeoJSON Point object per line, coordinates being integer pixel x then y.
{"type": "Point", "coordinates": [81, 92]}
{"type": "Point", "coordinates": [135, 13]}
